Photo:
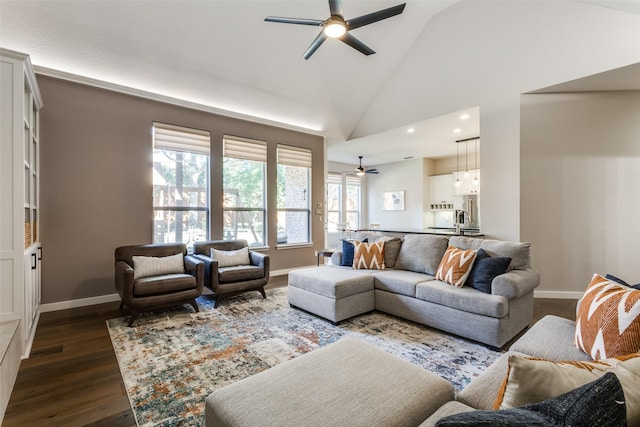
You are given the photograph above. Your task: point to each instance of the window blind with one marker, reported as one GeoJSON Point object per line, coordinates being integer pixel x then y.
{"type": "Point", "coordinates": [334, 178]}
{"type": "Point", "coordinates": [178, 138]}
{"type": "Point", "coordinates": [245, 148]}
{"type": "Point", "coordinates": [354, 180]}
{"type": "Point", "coordinates": [294, 156]}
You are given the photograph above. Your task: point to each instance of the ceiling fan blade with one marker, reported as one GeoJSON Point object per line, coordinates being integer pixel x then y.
{"type": "Point", "coordinates": [373, 171]}
{"type": "Point", "coordinates": [315, 45]}
{"type": "Point", "coordinates": [298, 21]}
{"type": "Point", "coordinates": [335, 6]}
{"type": "Point", "coordinates": [370, 18]}
{"type": "Point", "coordinates": [356, 44]}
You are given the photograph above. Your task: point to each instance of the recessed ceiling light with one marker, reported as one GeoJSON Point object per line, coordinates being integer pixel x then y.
{"type": "Point", "coordinates": [411, 130]}
{"type": "Point", "coordinates": [464, 116]}
{"type": "Point", "coordinates": [457, 130]}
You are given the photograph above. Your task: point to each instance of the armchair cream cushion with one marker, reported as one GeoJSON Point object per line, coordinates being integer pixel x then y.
{"type": "Point", "coordinates": [146, 266]}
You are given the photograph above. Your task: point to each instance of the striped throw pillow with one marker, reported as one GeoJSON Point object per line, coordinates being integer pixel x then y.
{"type": "Point", "coordinates": [608, 320]}
{"type": "Point", "coordinates": [146, 266]}
{"type": "Point", "coordinates": [369, 256]}
{"type": "Point", "coordinates": [455, 266]}
{"type": "Point", "coordinates": [231, 258]}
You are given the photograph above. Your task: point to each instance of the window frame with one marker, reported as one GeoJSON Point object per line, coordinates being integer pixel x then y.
{"type": "Point", "coordinates": [288, 155]}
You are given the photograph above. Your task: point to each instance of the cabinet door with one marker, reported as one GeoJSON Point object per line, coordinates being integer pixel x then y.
{"type": "Point", "coordinates": [440, 190]}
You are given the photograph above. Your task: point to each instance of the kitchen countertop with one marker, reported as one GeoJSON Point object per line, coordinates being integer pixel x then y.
{"type": "Point", "coordinates": [436, 231]}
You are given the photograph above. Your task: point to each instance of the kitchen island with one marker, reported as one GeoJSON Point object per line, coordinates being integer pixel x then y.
{"type": "Point", "coordinates": [473, 232]}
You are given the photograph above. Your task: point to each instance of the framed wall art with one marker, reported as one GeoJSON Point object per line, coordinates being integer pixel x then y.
{"type": "Point", "coordinates": [393, 201]}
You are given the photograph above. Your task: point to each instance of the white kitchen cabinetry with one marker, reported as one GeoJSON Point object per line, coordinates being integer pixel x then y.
{"type": "Point", "coordinates": [468, 185]}
{"type": "Point", "coordinates": [20, 249]}
{"type": "Point", "coordinates": [441, 192]}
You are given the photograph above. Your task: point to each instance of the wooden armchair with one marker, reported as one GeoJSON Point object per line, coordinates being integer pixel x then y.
{"type": "Point", "coordinates": [224, 277]}
{"type": "Point", "coordinates": [148, 277]}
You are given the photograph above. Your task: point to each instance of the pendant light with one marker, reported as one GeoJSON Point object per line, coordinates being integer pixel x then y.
{"type": "Point", "coordinates": [466, 159]}
{"type": "Point", "coordinates": [457, 183]}
{"type": "Point", "coordinates": [476, 181]}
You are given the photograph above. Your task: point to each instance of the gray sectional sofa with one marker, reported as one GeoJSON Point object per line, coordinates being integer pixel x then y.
{"type": "Point", "coordinates": [409, 289]}
{"type": "Point", "coordinates": [353, 383]}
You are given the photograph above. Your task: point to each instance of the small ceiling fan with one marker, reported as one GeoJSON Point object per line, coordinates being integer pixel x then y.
{"type": "Point", "coordinates": [337, 27]}
{"type": "Point", "coordinates": [360, 171]}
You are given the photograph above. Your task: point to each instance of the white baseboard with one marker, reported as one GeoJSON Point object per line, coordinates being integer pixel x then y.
{"type": "Point", "coordinates": [558, 294]}
{"type": "Point", "coordinates": [75, 303]}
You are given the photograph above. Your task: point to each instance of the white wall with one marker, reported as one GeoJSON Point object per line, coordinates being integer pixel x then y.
{"type": "Point", "coordinates": [409, 176]}
{"type": "Point", "coordinates": [580, 187]}
{"type": "Point", "coordinates": [522, 46]}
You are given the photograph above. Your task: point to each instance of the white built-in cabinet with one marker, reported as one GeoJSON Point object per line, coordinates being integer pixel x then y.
{"type": "Point", "coordinates": [20, 248]}
{"type": "Point", "coordinates": [441, 192]}
{"type": "Point", "coordinates": [467, 185]}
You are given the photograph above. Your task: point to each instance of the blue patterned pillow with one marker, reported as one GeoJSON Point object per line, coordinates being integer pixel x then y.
{"type": "Point", "coordinates": [598, 403]}
{"type": "Point", "coordinates": [622, 282]}
{"type": "Point", "coordinates": [485, 269]}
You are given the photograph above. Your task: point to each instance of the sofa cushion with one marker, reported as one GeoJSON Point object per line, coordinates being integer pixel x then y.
{"type": "Point", "coordinates": [147, 266]}
{"type": "Point", "coordinates": [399, 281]}
{"type": "Point", "coordinates": [550, 338]}
{"type": "Point", "coordinates": [421, 253]}
{"type": "Point", "coordinates": [331, 282]}
{"type": "Point", "coordinates": [485, 269]}
{"type": "Point", "coordinates": [229, 258]}
{"type": "Point", "coordinates": [531, 380]}
{"type": "Point", "coordinates": [455, 266]}
{"type": "Point", "coordinates": [466, 299]}
{"type": "Point", "coordinates": [519, 252]}
{"type": "Point", "coordinates": [597, 403]}
{"type": "Point", "coordinates": [608, 321]}
{"type": "Point", "coordinates": [368, 256]}
{"type": "Point", "coordinates": [155, 285]}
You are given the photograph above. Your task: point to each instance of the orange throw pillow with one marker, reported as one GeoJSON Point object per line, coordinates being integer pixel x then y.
{"type": "Point", "coordinates": [368, 256]}
{"type": "Point", "coordinates": [608, 320]}
{"type": "Point", "coordinates": [455, 266]}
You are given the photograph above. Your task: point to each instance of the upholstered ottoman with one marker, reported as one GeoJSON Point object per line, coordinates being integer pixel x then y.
{"type": "Point", "coordinates": [333, 293]}
{"type": "Point", "coordinates": [347, 383]}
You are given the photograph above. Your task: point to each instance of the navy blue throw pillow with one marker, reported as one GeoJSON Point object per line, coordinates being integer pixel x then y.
{"type": "Point", "coordinates": [348, 250]}
{"type": "Point", "coordinates": [598, 403]}
{"type": "Point", "coordinates": [622, 282]}
{"type": "Point", "coordinates": [485, 269]}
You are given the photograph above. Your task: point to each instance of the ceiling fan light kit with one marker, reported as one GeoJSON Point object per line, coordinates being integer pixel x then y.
{"type": "Point", "coordinates": [337, 27]}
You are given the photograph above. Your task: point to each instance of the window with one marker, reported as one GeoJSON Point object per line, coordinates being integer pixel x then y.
{"type": "Point", "coordinates": [334, 202]}
{"type": "Point", "coordinates": [180, 184]}
{"type": "Point", "coordinates": [244, 170]}
{"type": "Point", "coordinates": [294, 195]}
{"type": "Point", "coordinates": [353, 202]}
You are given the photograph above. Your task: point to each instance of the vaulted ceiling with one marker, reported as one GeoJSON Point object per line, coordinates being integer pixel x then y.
{"type": "Point", "coordinates": [222, 55]}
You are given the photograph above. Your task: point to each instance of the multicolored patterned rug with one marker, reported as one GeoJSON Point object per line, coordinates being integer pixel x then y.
{"type": "Point", "coordinates": [173, 359]}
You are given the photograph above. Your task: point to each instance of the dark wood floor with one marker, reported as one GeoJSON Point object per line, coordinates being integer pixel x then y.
{"type": "Point", "coordinates": [72, 377]}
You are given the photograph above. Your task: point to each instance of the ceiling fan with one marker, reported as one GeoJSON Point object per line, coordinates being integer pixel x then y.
{"type": "Point", "coordinates": [360, 171]}
{"type": "Point", "coordinates": [337, 27]}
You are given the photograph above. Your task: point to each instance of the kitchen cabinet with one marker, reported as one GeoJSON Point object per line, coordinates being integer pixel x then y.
{"type": "Point", "coordinates": [468, 185]}
{"type": "Point", "coordinates": [20, 249]}
{"type": "Point", "coordinates": [441, 192]}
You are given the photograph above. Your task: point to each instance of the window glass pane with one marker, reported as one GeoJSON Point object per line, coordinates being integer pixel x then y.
{"type": "Point", "coordinates": [293, 203]}
{"type": "Point", "coordinates": [244, 205]}
{"type": "Point", "coordinates": [293, 227]}
{"type": "Point", "coordinates": [180, 180]}
{"type": "Point", "coordinates": [353, 206]}
{"type": "Point", "coordinates": [333, 219]}
{"type": "Point", "coordinates": [247, 225]}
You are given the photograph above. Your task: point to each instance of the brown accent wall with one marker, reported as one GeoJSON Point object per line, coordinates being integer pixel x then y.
{"type": "Point", "coordinates": [96, 182]}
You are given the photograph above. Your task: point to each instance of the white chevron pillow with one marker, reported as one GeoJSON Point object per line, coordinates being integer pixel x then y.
{"type": "Point", "coordinates": [455, 266]}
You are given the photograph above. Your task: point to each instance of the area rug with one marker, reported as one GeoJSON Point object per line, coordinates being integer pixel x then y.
{"type": "Point", "coordinates": [173, 359]}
